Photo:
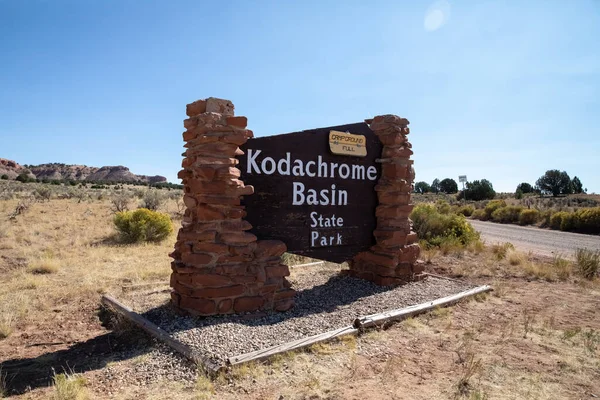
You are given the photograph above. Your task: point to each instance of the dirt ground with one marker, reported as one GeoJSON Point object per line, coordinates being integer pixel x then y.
{"type": "Point", "coordinates": [537, 336]}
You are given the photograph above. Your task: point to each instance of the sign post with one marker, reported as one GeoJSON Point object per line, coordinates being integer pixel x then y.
{"type": "Point", "coordinates": [463, 180]}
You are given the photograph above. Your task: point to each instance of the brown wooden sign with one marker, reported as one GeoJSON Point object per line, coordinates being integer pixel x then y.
{"type": "Point", "coordinates": [320, 204]}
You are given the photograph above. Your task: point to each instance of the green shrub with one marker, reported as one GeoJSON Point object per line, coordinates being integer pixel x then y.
{"type": "Point", "coordinates": [557, 218]}
{"type": "Point", "coordinates": [569, 222]}
{"type": "Point", "coordinates": [4, 177]}
{"type": "Point", "coordinates": [143, 225]}
{"type": "Point", "coordinates": [492, 206]}
{"type": "Point", "coordinates": [588, 263]}
{"type": "Point", "coordinates": [507, 215]}
{"type": "Point", "coordinates": [529, 216]}
{"type": "Point", "coordinates": [588, 220]}
{"type": "Point", "coordinates": [443, 207]}
{"type": "Point", "coordinates": [479, 214]}
{"type": "Point", "coordinates": [437, 228]}
{"type": "Point", "coordinates": [467, 211]}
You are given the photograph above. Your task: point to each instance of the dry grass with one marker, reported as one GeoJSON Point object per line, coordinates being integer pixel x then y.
{"type": "Point", "coordinates": [69, 386]}
{"type": "Point", "coordinates": [60, 242]}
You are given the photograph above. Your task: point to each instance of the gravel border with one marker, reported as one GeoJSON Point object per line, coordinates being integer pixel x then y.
{"type": "Point", "coordinates": [325, 301]}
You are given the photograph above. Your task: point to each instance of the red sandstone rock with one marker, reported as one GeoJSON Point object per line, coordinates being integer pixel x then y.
{"type": "Point", "coordinates": [204, 280]}
{"type": "Point", "coordinates": [395, 211]}
{"type": "Point", "coordinates": [245, 304]}
{"type": "Point", "coordinates": [235, 225]}
{"type": "Point", "coordinates": [395, 171]}
{"type": "Point", "coordinates": [377, 259]}
{"type": "Point", "coordinates": [237, 238]}
{"type": "Point", "coordinates": [200, 306]}
{"type": "Point", "coordinates": [220, 106]}
{"type": "Point", "coordinates": [225, 306]}
{"type": "Point", "coordinates": [207, 213]}
{"type": "Point", "coordinates": [283, 305]}
{"type": "Point", "coordinates": [195, 108]}
{"type": "Point", "coordinates": [279, 270]}
{"type": "Point", "coordinates": [396, 152]}
{"type": "Point", "coordinates": [197, 259]}
{"type": "Point", "coordinates": [270, 248]}
{"type": "Point", "coordinates": [206, 247]}
{"type": "Point", "coordinates": [241, 122]}
{"type": "Point", "coordinates": [237, 138]}
{"type": "Point", "coordinates": [228, 291]}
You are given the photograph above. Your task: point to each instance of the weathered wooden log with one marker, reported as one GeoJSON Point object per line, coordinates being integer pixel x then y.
{"type": "Point", "coordinates": [158, 333]}
{"type": "Point", "coordinates": [403, 313]}
{"type": "Point", "coordinates": [297, 344]}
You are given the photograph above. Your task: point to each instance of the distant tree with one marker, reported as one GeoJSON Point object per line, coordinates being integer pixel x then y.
{"type": "Point", "coordinates": [554, 182]}
{"type": "Point", "coordinates": [422, 187]}
{"type": "Point", "coordinates": [577, 185]}
{"type": "Point", "coordinates": [4, 177]}
{"type": "Point", "coordinates": [525, 188]}
{"type": "Point", "coordinates": [478, 190]}
{"type": "Point", "coordinates": [435, 185]}
{"type": "Point", "coordinates": [448, 185]}
{"type": "Point", "coordinates": [23, 177]}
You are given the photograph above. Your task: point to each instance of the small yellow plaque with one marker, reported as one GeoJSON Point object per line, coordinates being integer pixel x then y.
{"type": "Point", "coordinates": [347, 144]}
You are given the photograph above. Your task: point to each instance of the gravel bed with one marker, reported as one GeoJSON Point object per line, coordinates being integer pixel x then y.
{"type": "Point", "coordinates": [325, 301]}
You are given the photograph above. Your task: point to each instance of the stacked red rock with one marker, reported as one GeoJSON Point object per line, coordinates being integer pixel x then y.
{"type": "Point", "coordinates": [393, 260]}
{"type": "Point", "coordinates": [219, 267]}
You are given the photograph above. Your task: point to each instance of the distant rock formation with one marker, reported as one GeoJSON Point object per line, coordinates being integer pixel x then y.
{"type": "Point", "coordinates": [62, 172]}
{"type": "Point", "coordinates": [12, 169]}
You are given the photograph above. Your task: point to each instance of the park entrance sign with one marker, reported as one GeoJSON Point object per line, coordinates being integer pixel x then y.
{"type": "Point", "coordinates": [319, 204]}
{"type": "Point", "coordinates": [340, 194]}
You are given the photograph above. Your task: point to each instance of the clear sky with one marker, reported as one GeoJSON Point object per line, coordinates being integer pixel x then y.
{"type": "Point", "coordinates": [502, 90]}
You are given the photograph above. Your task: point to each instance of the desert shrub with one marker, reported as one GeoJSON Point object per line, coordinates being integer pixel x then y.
{"type": "Point", "coordinates": [557, 218]}
{"type": "Point", "coordinates": [569, 222]}
{"type": "Point", "coordinates": [152, 200]}
{"type": "Point", "coordinates": [442, 206]}
{"type": "Point", "coordinates": [479, 214]}
{"type": "Point", "coordinates": [43, 193]}
{"type": "Point", "coordinates": [588, 220]}
{"type": "Point", "coordinates": [588, 263]}
{"type": "Point", "coordinates": [436, 228]}
{"type": "Point", "coordinates": [4, 177]}
{"type": "Point", "coordinates": [467, 211]}
{"type": "Point", "coordinates": [120, 202]}
{"type": "Point", "coordinates": [545, 217]}
{"type": "Point", "coordinates": [507, 215]}
{"type": "Point", "coordinates": [528, 216]}
{"type": "Point", "coordinates": [493, 205]}
{"type": "Point", "coordinates": [142, 225]}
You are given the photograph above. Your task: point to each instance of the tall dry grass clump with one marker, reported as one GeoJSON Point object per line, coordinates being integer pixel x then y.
{"type": "Point", "coordinates": [588, 263]}
{"type": "Point", "coordinates": [69, 387]}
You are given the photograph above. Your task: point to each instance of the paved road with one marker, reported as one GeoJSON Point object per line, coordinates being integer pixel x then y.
{"type": "Point", "coordinates": [539, 241]}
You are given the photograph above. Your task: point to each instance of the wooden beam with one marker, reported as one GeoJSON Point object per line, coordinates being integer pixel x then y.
{"type": "Point", "coordinates": [403, 313]}
{"type": "Point", "coordinates": [297, 344]}
{"type": "Point", "coordinates": [307, 265]}
{"type": "Point", "coordinates": [158, 333]}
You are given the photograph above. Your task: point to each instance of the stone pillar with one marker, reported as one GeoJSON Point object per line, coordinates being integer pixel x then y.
{"type": "Point", "coordinates": [393, 259]}
{"type": "Point", "coordinates": [218, 267]}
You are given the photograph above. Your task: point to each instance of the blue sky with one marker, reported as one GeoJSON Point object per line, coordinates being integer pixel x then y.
{"type": "Point", "coordinates": [502, 90]}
